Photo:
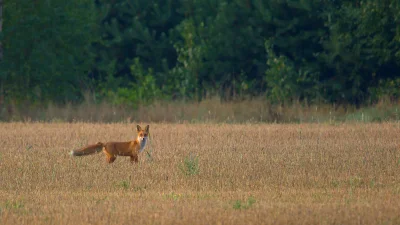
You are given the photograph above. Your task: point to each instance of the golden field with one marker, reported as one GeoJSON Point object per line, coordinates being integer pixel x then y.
{"type": "Point", "coordinates": [243, 174]}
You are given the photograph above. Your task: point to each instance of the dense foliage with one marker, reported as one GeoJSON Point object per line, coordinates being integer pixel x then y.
{"type": "Point", "coordinates": [137, 51]}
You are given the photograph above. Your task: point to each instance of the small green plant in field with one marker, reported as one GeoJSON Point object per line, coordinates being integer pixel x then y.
{"type": "Point", "coordinates": [149, 156]}
{"type": "Point", "coordinates": [28, 147]}
{"type": "Point", "coordinates": [238, 204]}
{"type": "Point", "coordinates": [124, 184]}
{"type": "Point", "coordinates": [139, 188]}
{"type": "Point", "coordinates": [396, 190]}
{"type": "Point", "coordinates": [203, 196]}
{"type": "Point", "coordinates": [173, 196]}
{"type": "Point", "coordinates": [349, 198]}
{"type": "Point", "coordinates": [14, 205]}
{"type": "Point", "coordinates": [299, 133]}
{"type": "Point", "coordinates": [149, 151]}
{"type": "Point", "coordinates": [190, 165]}
{"type": "Point", "coordinates": [372, 183]}
{"type": "Point", "coordinates": [99, 200]}
{"type": "Point", "coordinates": [335, 183]}
{"type": "Point", "coordinates": [355, 182]}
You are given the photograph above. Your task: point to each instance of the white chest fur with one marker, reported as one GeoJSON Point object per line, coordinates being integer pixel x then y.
{"type": "Point", "coordinates": [142, 144]}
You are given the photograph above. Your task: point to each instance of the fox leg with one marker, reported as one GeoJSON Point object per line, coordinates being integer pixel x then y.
{"type": "Point", "coordinates": [111, 159]}
{"type": "Point", "coordinates": [134, 158]}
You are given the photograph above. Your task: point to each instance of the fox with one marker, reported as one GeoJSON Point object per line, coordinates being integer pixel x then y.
{"type": "Point", "coordinates": [114, 149]}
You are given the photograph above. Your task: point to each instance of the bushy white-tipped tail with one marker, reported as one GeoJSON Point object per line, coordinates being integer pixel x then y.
{"type": "Point", "coordinates": [88, 150]}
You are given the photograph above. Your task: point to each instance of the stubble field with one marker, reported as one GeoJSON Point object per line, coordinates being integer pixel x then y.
{"type": "Point", "coordinates": [202, 174]}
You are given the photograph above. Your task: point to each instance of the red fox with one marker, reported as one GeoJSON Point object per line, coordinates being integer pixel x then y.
{"type": "Point", "coordinates": [112, 149]}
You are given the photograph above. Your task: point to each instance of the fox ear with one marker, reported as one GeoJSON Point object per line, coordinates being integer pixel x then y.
{"type": "Point", "coordinates": [139, 128]}
{"type": "Point", "coordinates": [147, 128]}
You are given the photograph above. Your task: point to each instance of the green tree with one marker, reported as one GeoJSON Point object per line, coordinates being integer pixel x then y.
{"type": "Point", "coordinates": [135, 29]}
{"type": "Point", "coordinates": [1, 55]}
{"type": "Point", "coordinates": [47, 49]}
{"type": "Point", "coordinates": [298, 31]}
{"type": "Point", "coordinates": [362, 50]}
{"type": "Point", "coordinates": [223, 47]}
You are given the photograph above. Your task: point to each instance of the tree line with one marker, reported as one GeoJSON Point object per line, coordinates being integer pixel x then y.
{"type": "Point", "coordinates": [131, 52]}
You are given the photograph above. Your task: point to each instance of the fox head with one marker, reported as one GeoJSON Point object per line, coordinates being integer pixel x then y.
{"type": "Point", "coordinates": [143, 134]}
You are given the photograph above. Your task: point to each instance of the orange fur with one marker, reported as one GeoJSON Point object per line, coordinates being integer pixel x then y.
{"type": "Point", "coordinates": [114, 149]}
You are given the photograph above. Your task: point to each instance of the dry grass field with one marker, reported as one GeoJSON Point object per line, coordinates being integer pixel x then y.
{"type": "Point", "coordinates": [202, 174]}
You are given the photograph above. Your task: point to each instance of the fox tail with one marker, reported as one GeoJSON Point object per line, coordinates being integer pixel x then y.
{"type": "Point", "coordinates": [88, 150]}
